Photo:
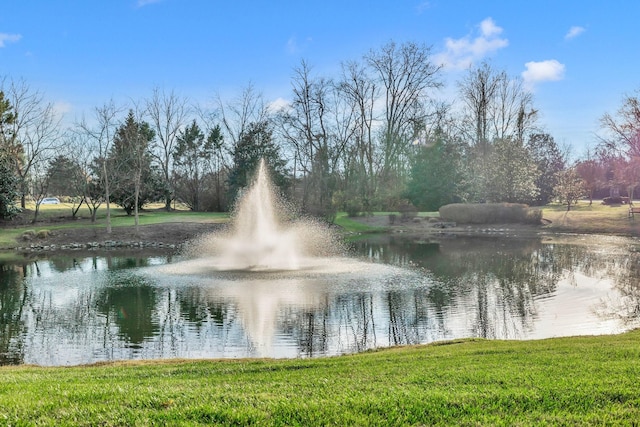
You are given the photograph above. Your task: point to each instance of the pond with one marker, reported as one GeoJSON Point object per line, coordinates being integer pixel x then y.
{"type": "Point", "coordinates": [75, 309]}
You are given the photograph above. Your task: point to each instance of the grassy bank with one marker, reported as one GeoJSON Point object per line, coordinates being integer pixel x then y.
{"type": "Point", "coordinates": [57, 217]}
{"type": "Point", "coordinates": [566, 381]}
{"type": "Point", "coordinates": [350, 225]}
{"type": "Point", "coordinates": [583, 218]}
{"type": "Point", "coordinates": [596, 218]}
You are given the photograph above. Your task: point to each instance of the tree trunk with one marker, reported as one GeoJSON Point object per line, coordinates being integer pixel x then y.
{"type": "Point", "coordinates": [35, 213]}
{"type": "Point", "coordinates": [135, 202]}
{"type": "Point", "coordinates": [167, 201]}
{"type": "Point", "coordinates": [106, 196]}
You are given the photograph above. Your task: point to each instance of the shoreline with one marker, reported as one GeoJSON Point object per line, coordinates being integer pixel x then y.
{"type": "Point", "coordinates": [173, 236]}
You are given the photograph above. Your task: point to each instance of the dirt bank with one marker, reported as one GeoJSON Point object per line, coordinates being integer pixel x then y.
{"type": "Point", "coordinates": [169, 236]}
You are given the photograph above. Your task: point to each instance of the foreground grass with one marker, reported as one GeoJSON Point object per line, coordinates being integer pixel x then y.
{"type": "Point", "coordinates": [566, 381]}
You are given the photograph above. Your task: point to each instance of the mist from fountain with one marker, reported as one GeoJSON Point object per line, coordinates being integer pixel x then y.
{"type": "Point", "coordinates": [261, 237]}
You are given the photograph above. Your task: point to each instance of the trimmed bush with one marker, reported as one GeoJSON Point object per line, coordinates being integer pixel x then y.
{"type": "Point", "coordinates": [616, 200]}
{"type": "Point", "coordinates": [28, 235]}
{"type": "Point", "coordinates": [43, 234]}
{"type": "Point", "coordinates": [490, 213]}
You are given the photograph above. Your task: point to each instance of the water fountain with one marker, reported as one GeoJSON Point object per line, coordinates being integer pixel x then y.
{"type": "Point", "coordinates": [261, 238]}
{"type": "Point", "coordinates": [265, 261]}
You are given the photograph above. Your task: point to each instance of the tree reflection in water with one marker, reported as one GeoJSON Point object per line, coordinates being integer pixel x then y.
{"type": "Point", "coordinates": [67, 311]}
{"type": "Point", "coordinates": [13, 296]}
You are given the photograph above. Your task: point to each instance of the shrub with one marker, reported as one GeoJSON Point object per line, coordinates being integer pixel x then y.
{"type": "Point", "coordinates": [407, 210]}
{"type": "Point", "coordinates": [353, 208]}
{"type": "Point", "coordinates": [615, 200]}
{"type": "Point", "coordinates": [28, 235]}
{"type": "Point", "coordinates": [490, 213]}
{"type": "Point", "coordinates": [43, 234]}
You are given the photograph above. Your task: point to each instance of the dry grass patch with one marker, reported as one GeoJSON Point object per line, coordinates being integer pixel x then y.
{"type": "Point", "coordinates": [595, 218]}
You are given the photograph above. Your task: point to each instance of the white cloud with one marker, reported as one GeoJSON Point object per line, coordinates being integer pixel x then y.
{"type": "Point", "coordinates": [461, 53]}
{"type": "Point", "coordinates": [423, 6]}
{"type": "Point", "coordinates": [294, 46]}
{"type": "Point", "coordinates": [542, 71]}
{"type": "Point", "coordinates": [279, 104]}
{"type": "Point", "coordinates": [574, 31]}
{"type": "Point", "coordinates": [9, 38]}
{"type": "Point", "coordinates": [142, 3]}
{"type": "Point", "coordinates": [62, 107]}
{"type": "Point", "coordinates": [488, 28]}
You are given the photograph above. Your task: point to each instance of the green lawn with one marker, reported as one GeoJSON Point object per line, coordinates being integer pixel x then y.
{"type": "Point", "coordinates": [352, 226]}
{"type": "Point", "coordinates": [583, 218]}
{"type": "Point", "coordinates": [55, 217]}
{"type": "Point", "coordinates": [565, 381]}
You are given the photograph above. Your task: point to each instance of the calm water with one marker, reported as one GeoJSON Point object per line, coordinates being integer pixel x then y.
{"type": "Point", "coordinates": [66, 310]}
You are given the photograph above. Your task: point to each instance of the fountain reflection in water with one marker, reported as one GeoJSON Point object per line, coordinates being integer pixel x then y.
{"type": "Point", "coordinates": [266, 261]}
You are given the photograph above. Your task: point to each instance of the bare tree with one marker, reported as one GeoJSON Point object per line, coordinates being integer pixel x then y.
{"type": "Point", "coordinates": [407, 77]}
{"type": "Point", "coordinates": [627, 173]}
{"type": "Point", "coordinates": [512, 111]}
{"type": "Point", "coordinates": [101, 133]}
{"type": "Point", "coordinates": [76, 181]}
{"type": "Point", "coordinates": [34, 135]}
{"type": "Point", "coordinates": [168, 114]}
{"type": "Point", "coordinates": [478, 91]}
{"type": "Point", "coordinates": [623, 129]}
{"type": "Point", "coordinates": [237, 114]}
{"type": "Point", "coordinates": [39, 183]}
{"type": "Point", "coordinates": [569, 187]}
{"type": "Point", "coordinates": [318, 127]}
{"type": "Point", "coordinates": [495, 108]}
{"type": "Point", "coordinates": [361, 165]}
{"type": "Point", "coordinates": [219, 166]}
{"type": "Point", "coordinates": [592, 172]}
{"type": "Point", "coordinates": [303, 122]}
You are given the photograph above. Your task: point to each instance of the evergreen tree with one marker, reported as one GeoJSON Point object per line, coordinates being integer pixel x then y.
{"type": "Point", "coordinates": [8, 188]}
{"type": "Point", "coordinates": [64, 175]}
{"type": "Point", "coordinates": [256, 143]}
{"type": "Point", "coordinates": [434, 178]}
{"type": "Point", "coordinates": [9, 182]}
{"type": "Point", "coordinates": [192, 163]}
{"type": "Point", "coordinates": [133, 177]}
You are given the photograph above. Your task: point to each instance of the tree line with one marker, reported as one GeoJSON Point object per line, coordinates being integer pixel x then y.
{"type": "Point", "coordinates": [373, 137]}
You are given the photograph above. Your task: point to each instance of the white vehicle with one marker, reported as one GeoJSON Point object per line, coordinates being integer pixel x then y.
{"type": "Point", "coordinates": [50, 201]}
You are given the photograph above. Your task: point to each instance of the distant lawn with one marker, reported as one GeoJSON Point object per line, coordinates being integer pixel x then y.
{"type": "Point", "coordinates": [583, 218]}
{"type": "Point", "coordinates": [560, 381]}
{"type": "Point", "coordinates": [352, 226]}
{"type": "Point", "coordinates": [56, 217]}
{"type": "Point", "coordinates": [595, 218]}
{"type": "Point", "coordinates": [153, 212]}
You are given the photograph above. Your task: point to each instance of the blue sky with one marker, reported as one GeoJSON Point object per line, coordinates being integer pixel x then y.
{"type": "Point", "coordinates": [578, 57]}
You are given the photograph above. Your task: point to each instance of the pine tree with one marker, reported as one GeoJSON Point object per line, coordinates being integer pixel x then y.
{"type": "Point", "coordinates": [256, 143]}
